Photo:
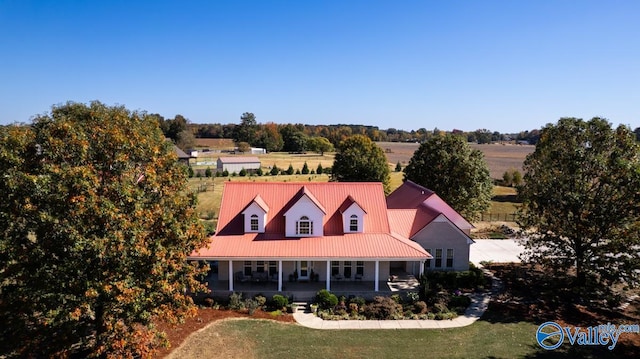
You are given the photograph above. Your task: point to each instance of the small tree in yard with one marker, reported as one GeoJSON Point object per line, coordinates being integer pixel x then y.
{"type": "Point", "coordinates": [274, 170]}
{"type": "Point", "coordinates": [516, 178]}
{"type": "Point", "coordinates": [319, 169]}
{"type": "Point", "coordinates": [581, 202]}
{"type": "Point", "coordinates": [207, 172]}
{"type": "Point", "coordinates": [305, 169]}
{"type": "Point", "coordinates": [290, 170]}
{"type": "Point", "coordinates": [96, 223]}
{"type": "Point", "coordinates": [242, 172]}
{"type": "Point", "coordinates": [398, 167]}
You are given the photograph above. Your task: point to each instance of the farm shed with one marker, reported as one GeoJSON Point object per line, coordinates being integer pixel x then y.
{"type": "Point", "coordinates": [236, 164]}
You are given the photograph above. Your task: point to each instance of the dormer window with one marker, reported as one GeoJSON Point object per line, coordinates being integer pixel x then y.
{"type": "Point", "coordinates": [254, 222]}
{"type": "Point", "coordinates": [304, 226]}
{"type": "Point", "coordinates": [353, 223]}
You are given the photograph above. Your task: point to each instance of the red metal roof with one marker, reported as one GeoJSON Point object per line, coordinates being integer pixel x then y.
{"type": "Point", "coordinates": [377, 241]}
{"type": "Point", "coordinates": [426, 206]}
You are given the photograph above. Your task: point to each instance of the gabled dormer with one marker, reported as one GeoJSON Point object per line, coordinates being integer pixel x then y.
{"type": "Point", "coordinates": [352, 216]}
{"type": "Point", "coordinates": [255, 215]}
{"type": "Point", "coordinates": [305, 216]}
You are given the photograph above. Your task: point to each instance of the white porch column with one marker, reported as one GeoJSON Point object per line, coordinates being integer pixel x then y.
{"type": "Point", "coordinates": [328, 275]}
{"type": "Point", "coordinates": [421, 271]}
{"type": "Point", "coordinates": [280, 276]}
{"type": "Point", "coordinates": [377, 277]}
{"type": "Point", "coordinates": [231, 275]}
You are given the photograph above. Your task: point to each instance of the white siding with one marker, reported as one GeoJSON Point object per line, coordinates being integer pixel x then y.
{"type": "Point", "coordinates": [442, 234]}
{"type": "Point", "coordinates": [304, 207]}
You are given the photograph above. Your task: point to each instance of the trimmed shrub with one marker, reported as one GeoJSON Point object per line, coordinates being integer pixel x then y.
{"type": "Point", "coordinates": [251, 304]}
{"type": "Point", "coordinates": [319, 169]}
{"type": "Point", "coordinates": [262, 300]}
{"type": "Point", "coordinates": [225, 173]}
{"type": "Point", "coordinates": [208, 302]}
{"type": "Point", "coordinates": [207, 172]}
{"type": "Point", "coordinates": [305, 169]}
{"type": "Point", "coordinates": [243, 172]}
{"type": "Point", "coordinates": [459, 301]}
{"type": "Point", "coordinates": [279, 301]}
{"type": "Point", "coordinates": [359, 301]}
{"type": "Point", "coordinates": [274, 170]}
{"type": "Point", "coordinates": [259, 171]}
{"type": "Point", "coordinates": [326, 299]}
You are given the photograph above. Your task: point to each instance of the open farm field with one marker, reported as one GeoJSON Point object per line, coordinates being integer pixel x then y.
{"type": "Point", "coordinates": [500, 158]}
{"type": "Point", "coordinates": [215, 143]}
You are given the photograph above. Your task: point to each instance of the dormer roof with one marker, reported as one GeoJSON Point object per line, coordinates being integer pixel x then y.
{"type": "Point", "coordinates": [259, 202]}
{"type": "Point", "coordinates": [305, 192]}
{"type": "Point", "coordinates": [348, 202]}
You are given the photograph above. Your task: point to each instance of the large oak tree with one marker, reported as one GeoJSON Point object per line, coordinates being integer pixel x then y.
{"type": "Point", "coordinates": [581, 201]}
{"type": "Point", "coordinates": [459, 174]}
{"type": "Point", "coordinates": [95, 227]}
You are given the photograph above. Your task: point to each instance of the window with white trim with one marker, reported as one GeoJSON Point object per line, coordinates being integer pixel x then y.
{"type": "Point", "coordinates": [304, 226]}
{"type": "Point", "coordinates": [449, 258]}
{"type": "Point", "coordinates": [260, 267]}
{"type": "Point", "coordinates": [353, 223]}
{"type": "Point", "coordinates": [439, 258]}
{"type": "Point", "coordinates": [360, 268]}
{"type": "Point", "coordinates": [254, 222]}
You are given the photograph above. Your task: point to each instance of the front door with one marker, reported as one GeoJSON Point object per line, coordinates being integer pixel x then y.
{"type": "Point", "coordinates": [303, 270]}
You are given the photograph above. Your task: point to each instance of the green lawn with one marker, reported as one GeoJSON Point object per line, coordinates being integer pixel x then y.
{"type": "Point", "coordinates": [267, 339]}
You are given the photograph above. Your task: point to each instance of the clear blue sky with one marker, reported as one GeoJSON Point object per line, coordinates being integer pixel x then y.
{"type": "Point", "coordinates": [502, 65]}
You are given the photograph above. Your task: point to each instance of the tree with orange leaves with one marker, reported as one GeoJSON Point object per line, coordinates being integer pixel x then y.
{"type": "Point", "coordinates": [95, 227]}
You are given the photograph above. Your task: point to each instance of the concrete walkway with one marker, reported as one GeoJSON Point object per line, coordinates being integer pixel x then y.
{"type": "Point", "coordinates": [479, 304]}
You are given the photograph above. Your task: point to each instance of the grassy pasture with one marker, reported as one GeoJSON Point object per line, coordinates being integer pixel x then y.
{"type": "Point", "coordinates": [500, 158]}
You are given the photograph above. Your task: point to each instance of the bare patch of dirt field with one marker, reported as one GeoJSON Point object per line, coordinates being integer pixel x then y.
{"type": "Point", "coordinates": [499, 157]}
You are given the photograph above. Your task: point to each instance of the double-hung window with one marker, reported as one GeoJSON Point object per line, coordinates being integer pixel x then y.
{"type": "Point", "coordinates": [439, 258]}
{"type": "Point", "coordinates": [449, 258]}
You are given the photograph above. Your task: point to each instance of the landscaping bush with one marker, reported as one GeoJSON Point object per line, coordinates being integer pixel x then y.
{"type": "Point", "coordinates": [326, 299]}
{"type": "Point", "coordinates": [225, 173]}
{"type": "Point", "coordinates": [279, 301]}
{"type": "Point", "coordinates": [420, 307]}
{"type": "Point", "coordinates": [208, 302]}
{"type": "Point", "coordinates": [359, 301]}
{"type": "Point", "coordinates": [382, 308]}
{"type": "Point", "coordinates": [243, 172]}
{"type": "Point", "coordinates": [251, 304]}
{"type": "Point", "coordinates": [262, 300]}
{"type": "Point", "coordinates": [235, 301]}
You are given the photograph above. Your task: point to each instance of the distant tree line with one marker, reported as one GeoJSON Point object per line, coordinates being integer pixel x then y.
{"type": "Point", "coordinates": [319, 138]}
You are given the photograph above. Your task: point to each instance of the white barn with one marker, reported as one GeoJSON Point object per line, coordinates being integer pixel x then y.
{"type": "Point", "coordinates": [236, 164]}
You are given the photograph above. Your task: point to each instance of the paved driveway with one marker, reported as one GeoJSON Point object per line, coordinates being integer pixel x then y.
{"type": "Point", "coordinates": [496, 250]}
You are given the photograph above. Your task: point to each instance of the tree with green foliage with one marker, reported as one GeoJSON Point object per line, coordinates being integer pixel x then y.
{"type": "Point", "coordinates": [459, 174]}
{"type": "Point", "coordinates": [290, 169]}
{"type": "Point", "coordinates": [190, 172]}
{"type": "Point", "coordinates": [242, 172]}
{"type": "Point", "coordinates": [274, 170]}
{"type": "Point", "coordinates": [186, 140]}
{"type": "Point", "coordinates": [247, 129]}
{"type": "Point", "coordinates": [581, 202]}
{"type": "Point", "coordinates": [319, 144]}
{"type": "Point", "coordinates": [207, 172]}
{"type": "Point", "coordinates": [507, 178]}
{"type": "Point", "coordinates": [319, 169]}
{"type": "Point", "coordinates": [225, 173]}
{"type": "Point", "coordinates": [97, 223]}
{"type": "Point", "coordinates": [398, 167]}
{"type": "Point", "coordinates": [305, 169]}
{"type": "Point", "coordinates": [244, 147]}
{"type": "Point", "coordinates": [360, 160]}
{"type": "Point", "coordinates": [259, 171]}
{"type": "Point", "coordinates": [516, 178]}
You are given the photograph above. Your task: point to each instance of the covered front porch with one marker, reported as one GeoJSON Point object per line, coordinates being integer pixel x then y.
{"type": "Point", "coordinates": [302, 279]}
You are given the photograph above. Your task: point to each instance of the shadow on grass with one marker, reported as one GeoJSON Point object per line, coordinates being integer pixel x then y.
{"type": "Point", "coordinates": [506, 198]}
